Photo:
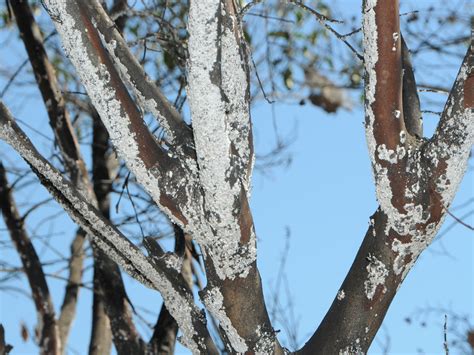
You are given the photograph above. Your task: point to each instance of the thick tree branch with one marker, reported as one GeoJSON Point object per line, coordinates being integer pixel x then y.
{"type": "Point", "coordinates": [415, 182]}
{"type": "Point", "coordinates": [383, 67]}
{"type": "Point", "coordinates": [147, 93]}
{"type": "Point", "coordinates": [110, 240]}
{"type": "Point", "coordinates": [452, 142]}
{"type": "Point", "coordinates": [48, 329]}
{"type": "Point", "coordinates": [69, 148]}
{"type": "Point", "coordinates": [179, 195]}
{"type": "Point", "coordinates": [387, 138]}
{"type": "Point", "coordinates": [145, 158]}
{"type": "Point", "coordinates": [219, 103]}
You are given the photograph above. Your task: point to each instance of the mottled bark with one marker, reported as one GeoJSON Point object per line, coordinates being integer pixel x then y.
{"type": "Point", "coordinates": [200, 178]}
{"type": "Point", "coordinates": [163, 340]}
{"type": "Point", "coordinates": [106, 271]}
{"type": "Point", "coordinates": [218, 93]}
{"type": "Point", "coordinates": [415, 183]}
{"type": "Point", "coordinates": [149, 96]}
{"type": "Point", "coordinates": [66, 139]}
{"type": "Point", "coordinates": [155, 274]}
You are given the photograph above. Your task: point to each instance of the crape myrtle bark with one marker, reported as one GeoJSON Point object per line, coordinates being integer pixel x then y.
{"type": "Point", "coordinates": [200, 176]}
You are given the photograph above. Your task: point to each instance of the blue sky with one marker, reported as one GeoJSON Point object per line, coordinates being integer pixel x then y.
{"type": "Point", "coordinates": [324, 198]}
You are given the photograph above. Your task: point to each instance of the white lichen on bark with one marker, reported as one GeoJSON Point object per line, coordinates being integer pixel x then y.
{"type": "Point", "coordinates": [454, 148]}
{"type": "Point", "coordinates": [149, 105]}
{"type": "Point", "coordinates": [407, 253]}
{"type": "Point", "coordinates": [266, 343]}
{"type": "Point", "coordinates": [376, 274]}
{"type": "Point", "coordinates": [103, 95]}
{"type": "Point", "coordinates": [371, 58]}
{"type": "Point", "coordinates": [214, 302]}
{"type": "Point", "coordinates": [104, 235]}
{"type": "Point", "coordinates": [221, 124]}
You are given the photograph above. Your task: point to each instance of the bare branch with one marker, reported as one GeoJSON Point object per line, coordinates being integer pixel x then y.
{"type": "Point", "coordinates": [149, 96]}
{"type": "Point", "coordinates": [55, 105]}
{"type": "Point", "coordinates": [109, 291]}
{"type": "Point", "coordinates": [144, 156]}
{"type": "Point", "coordinates": [411, 210]}
{"type": "Point", "coordinates": [69, 148]}
{"type": "Point", "coordinates": [101, 336]}
{"type": "Point", "coordinates": [452, 142]}
{"type": "Point", "coordinates": [68, 308]}
{"type": "Point", "coordinates": [48, 328]}
{"type": "Point", "coordinates": [221, 124]}
{"type": "Point", "coordinates": [163, 339]}
{"type": "Point", "coordinates": [109, 239]}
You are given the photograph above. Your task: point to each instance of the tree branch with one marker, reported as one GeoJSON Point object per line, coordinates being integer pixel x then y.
{"type": "Point", "coordinates": [108, 283]}
{"type": "Point", "coordinates": [4, 347]}
{"type": "Point", "coordinates": [163, 339]}
{"type": "Point", "coordinates": [68, 307]}
{"type": "Point", "coordinates": [147, 93]}
{"type": "Point", "coordinates": [48, 328]}
{"type": "Point", "coordinates": [66, 139]}
{"type": "Point", "coordinates": [409, 187]}
{"type": "Point", "coordinates": [110, 240]}
{"type": "Point", "coordinates": [51, 93]}
{"type": "Point", "coordinates": [384, 120]}
{"type": "Point", "coordinates": [452, 142]}
{"type": "Point", "coordinates": [146, 159]}
{"type": "Point", "coordinates": [106, 270]}
{"type": "Point", "coordinates": [219, 103]}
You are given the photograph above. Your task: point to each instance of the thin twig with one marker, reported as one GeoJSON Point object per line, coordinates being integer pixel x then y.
{"type": "Point", "coordinates": [270, 17]}
{"type": "Point", "coordinates": [19, 69]}
{"type": "Point", "coordinates": [460, 221]}
{"type": "Point", "coordinates": [135, 211]}
{"type": "Point", "coordinates": [322, 19]}
{"type": "Point", "coordinates": [260, 84]}
{"type": "Point", "coordinates": [121, 192]}
{"type": "Point", "coordinates": [446, 348]}
{"type": "Point", "coordinates": [431, 112]}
